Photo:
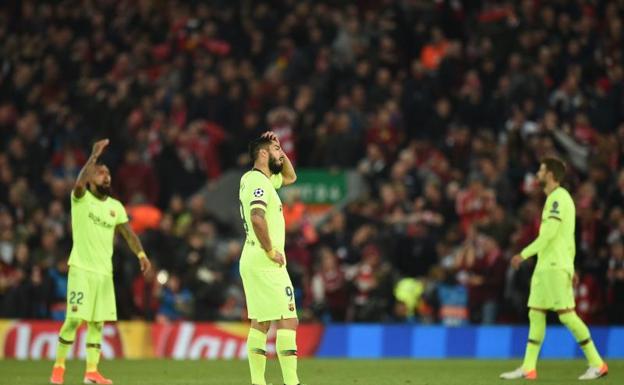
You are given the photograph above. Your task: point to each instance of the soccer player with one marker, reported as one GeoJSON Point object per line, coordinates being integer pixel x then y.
{"type": "Point", "coordinates": [268, 290]}
{"type": "Point", "coordinates": [90, 291]}
{"type": "Point", "coordinates": [552, 281]}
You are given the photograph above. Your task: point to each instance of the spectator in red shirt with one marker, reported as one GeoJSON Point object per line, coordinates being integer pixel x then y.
{"type": "Point", "coordinates": [145, 294]}
{"type": "Point", "coordinates": [329, 287]}
{"type": "Point", "coordinates": [434, 52]}
{"type": "Point", "coordinates": [590, 299]}
{"type": "Point", "coordinates": [136, 180]}
{"type": "Point", "coordinates": [373, 286]}
{"type": "Point", "coordinates": [482, 270]}
{"type": "Point", "coordinates": [473, 203]}
{"type": "Point", "coordinates": [281, 121]}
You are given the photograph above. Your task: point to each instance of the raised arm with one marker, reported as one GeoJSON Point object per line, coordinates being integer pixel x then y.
{"type": "Point", "coordinates": [87, 170]}
{"type": "Point", "coordinates": [261, 229]}
{"type": "Point", "coordinates": [135, 245]}
{"type": "Point", "coordinates": [288, 172]}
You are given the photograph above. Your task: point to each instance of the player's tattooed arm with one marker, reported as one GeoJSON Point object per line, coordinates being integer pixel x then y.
{"type": "Point", "coordinates": [135, 245]}
{"type": "Point", "coordinates": [130, 236]}
{"type": "Point", "coordinates": [88, 169]}
{"type": "Point", "coordinates": [261, 228]}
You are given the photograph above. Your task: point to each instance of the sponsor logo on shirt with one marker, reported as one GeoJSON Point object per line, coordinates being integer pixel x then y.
{"type": "Point", "coordinates": [100, 222]}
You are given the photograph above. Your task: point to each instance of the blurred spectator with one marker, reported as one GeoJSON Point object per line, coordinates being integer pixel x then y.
{"type": "Point", "coordinates": [615, 277]}
{"type": "Point", "coordinates": [451, 298]}
{"type": "Point", "coordinates": [372, 283]}
{"type": "Point", "coordinates": [58, 275]}
{"type": "Point", "coordinates": [163, 243]}
{"type": "Point", "coordinates": [176, 301]}
{"type": "Point", "coordinates": [329, 288]}
{"type": "Point", "coordinates": [482, 271]}
{"type": "Point", "coordinates": [280, 121]}
{"type": "Point", "coordinates": [373, 166]}
{"type": "Point", "coordinates": [135, 181]}
{"type": "Point", "coordinates": [408, 294]}
{"type": "Point", "coordinates": [145, 294]}
{"type": "Point", "coordinates": [415, 252]}
{"type": "Point", "coordinates": [590, 301]}
{"type": "Point", "coordinates": [433, 53]}
{"type": "Point", "coordinates": [473, 203]}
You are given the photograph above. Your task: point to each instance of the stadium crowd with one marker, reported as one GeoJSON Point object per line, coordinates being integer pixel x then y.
{"type": "Point", "coordinates": [445, 109]}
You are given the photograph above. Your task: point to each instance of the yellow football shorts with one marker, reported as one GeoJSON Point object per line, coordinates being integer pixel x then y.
{"type": "Point", "coordinates": [269, 293]}
{"type": "Point", "coordinates": [90, 296]}
{"type": "Point", "coordinates": [551, 290]}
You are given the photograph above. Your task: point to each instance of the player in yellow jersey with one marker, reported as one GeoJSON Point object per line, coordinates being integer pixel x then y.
{"type": "Point", "coordinates": [552, 281]}
{"type": "Point", "coordinates": [95, 217]}
{"type": "Point", "coordinates": [268, 290]}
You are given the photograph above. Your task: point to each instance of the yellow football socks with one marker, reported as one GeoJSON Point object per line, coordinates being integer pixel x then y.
{"type": "Point", "coordinates": [66, 340]}
{"type": "Point", "coordinates": [286, 346]}
{"type": "Point", "coordinates": [537, 331]}
{"type": "Point", "coordinates": [256, 353]}
{"type": "Point", "coordinates": [94, 341]}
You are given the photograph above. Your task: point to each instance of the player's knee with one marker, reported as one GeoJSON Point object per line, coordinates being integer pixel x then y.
{"type": "Point", "coordinates": [290, 323]}
{"type": "Point", "coordinates": [566, 318]}
{"type": "Point", "coordinates": [261, 326]}
{"type": "Point", "coordinates": [72, 323]}
{"type": "Point", "coordinates": [96, 326]}
{"type": "Point", "coordinates": [536, 315]}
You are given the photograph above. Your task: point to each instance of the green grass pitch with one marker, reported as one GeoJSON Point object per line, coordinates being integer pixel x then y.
{"type": "Point", "coordinates": [311, 371]}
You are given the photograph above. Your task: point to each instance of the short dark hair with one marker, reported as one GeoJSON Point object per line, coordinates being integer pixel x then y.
{"type": "Point", "coordinates": [257, 144]}
{"type": "Point", "coordinates": [556, 166]}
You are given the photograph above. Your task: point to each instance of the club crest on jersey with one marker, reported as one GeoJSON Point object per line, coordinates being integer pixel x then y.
{"type": "Point", "coordinates": [112, 213]}
{"type": "Point", "coordinates": [258, 192]}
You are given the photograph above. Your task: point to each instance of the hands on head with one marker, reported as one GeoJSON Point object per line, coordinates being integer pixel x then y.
{"type": "Point", "coordinates": [271, 135]}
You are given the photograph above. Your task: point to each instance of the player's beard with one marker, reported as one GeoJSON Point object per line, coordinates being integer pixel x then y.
{"type": "Point", "coordinates": [103, 190]}
{"type": "Point", "coordinates": [275, 167]}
